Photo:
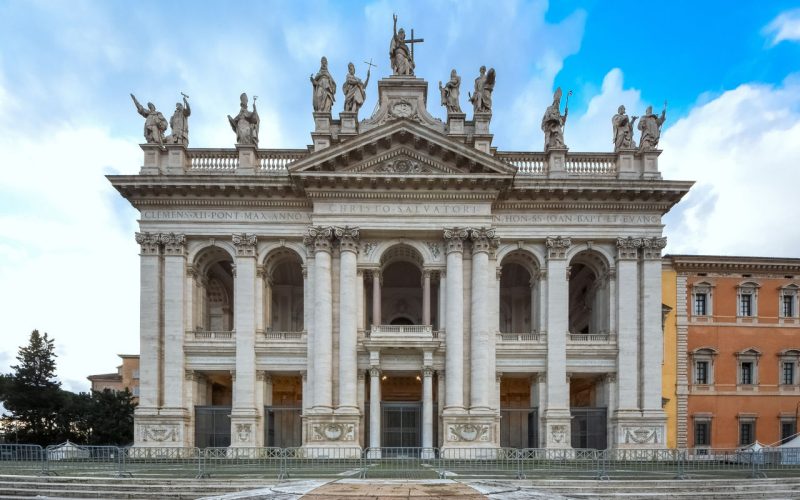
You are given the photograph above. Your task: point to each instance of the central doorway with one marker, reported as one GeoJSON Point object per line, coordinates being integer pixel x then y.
{"type": "Point", "coordinates": [402, 424]}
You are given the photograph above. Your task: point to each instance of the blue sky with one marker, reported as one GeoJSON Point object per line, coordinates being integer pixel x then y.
{"type": "Point", "coordinates": [68, 260]}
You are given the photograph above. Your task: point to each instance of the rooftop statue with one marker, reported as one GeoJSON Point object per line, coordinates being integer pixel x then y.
{"type": "Point", "coordinates": [355, 91]}
{"type": "Point", "coordinates": [484, 86]}
{"type": "Point", "coordinates": [324, 88]}
{"type": "Point", "coordinates": [450, 93]}
{"type": "Point", "coordinates": [245, 124]}
{"type": "Point", "coordinates": [400, 56]}
{"type": "Point", "coordinates": [650, 125]}
{"type": "Point", "coordinates": [623, 130]}
{"type": "Point", "coordinates": [179, 123]}
{"type": "Point", "coordinates": [154, 124]}
{"type": "Point", "coordinates": [553, 122]}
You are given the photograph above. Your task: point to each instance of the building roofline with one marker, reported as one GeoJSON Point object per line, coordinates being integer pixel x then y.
{"type": "Point", "coordinates": [733, 262]}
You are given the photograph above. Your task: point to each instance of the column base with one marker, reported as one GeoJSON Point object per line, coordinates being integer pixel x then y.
{"type": "Point", "coordinates": [634, 429]}
{"type": "Point", "coordinates": [244, 427]}
{"type": "Point", "coordinates": [557, 425]}
{"type": "Point", "coordinates": [154, 428]}
{"type": "Point", "coordinates": [470, 436]}
{"type": "Point", "coordinates": [332, 436]}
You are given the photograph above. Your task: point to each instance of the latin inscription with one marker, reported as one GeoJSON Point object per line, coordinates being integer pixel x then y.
{"type": "Point", "coordinates": [226, 215]}
{"type": "Point", "coordinates": [403, 209]}
{"type": "Point", "coordinates": [585, 219]}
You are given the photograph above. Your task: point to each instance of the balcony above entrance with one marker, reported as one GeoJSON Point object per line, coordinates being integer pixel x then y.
{"type": "Point", "coordinates": [403, 336]}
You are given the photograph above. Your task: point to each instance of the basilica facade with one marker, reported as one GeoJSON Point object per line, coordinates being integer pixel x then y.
{"type": "Point", "coordinates": [399, 283]}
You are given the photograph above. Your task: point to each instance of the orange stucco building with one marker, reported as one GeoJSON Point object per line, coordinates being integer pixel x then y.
{"type": "Point", "coordinates": [126, 377]}
{"type": "Point", "coordinates": [737, 369]}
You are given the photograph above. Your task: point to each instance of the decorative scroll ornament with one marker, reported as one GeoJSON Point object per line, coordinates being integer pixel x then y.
{"type": "Point", "coordinates": [243, 432]}
{"type": "Point", "coordinates": [160, 433]}
{"type": "Point", "coordinates": [651, 247]}
{"type": "Point", "coordinates": [628, 248]}
{"type": "Point", "coordinates": [333, 432]}
{"type": "Point", "coordinates": [468, 432]}
{"type": "Point", "coordinates": [557, 247]}
{"type": "Point", "coordinates": [434, 248]}
{"type": "Point", "coordinates": [348, 238]}
{"type": "Point", "coordinates": [150, 243]}
{"type": "Point", "coordinates": [368, 247]}
{"type": "Point", "coordinates": [245, 244]}
{"type": "Point", "coordinates": [454, 238]}
{"type": "Point", "coordinates": [484, 240]}
{"type": "Point", "coordinates": [642, 435]}
{"type": "Point", "coordinates": [402, 109]}
{"type": "Point", "coordinates": [174, 244]}
{"type": "Point", "coordinates": [401, 167]}
{"type": "Point", "coordinates": [318, 238]}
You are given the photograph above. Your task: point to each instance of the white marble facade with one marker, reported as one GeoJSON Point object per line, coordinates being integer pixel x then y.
{"type": "Point", "coordinates": [400, 248]}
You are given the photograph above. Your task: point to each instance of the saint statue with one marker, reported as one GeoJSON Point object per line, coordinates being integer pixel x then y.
{"type": "Point", "coordinates": [154, 122]}
{"type": "Point", "coordinates": [650, 125]}
{"type": "Point", "coordinates": [450, 93]}
{"type": "Point", "coordinates": [324, 88]}
{"type": "Point", "coordinates": [553, 123]}
{"type": "Point", "coordinates": [484, 86]}
{"type": "Point", "coordinates": [245, 124]}
{"type": "Point", "coordinates": [623, 130]}
{"type": "Point", "coordinates": [179, 123]}
{"type": "Point", "coordinates": [399, 55]}
{"type": "Point", "coordinates": [355, 91]}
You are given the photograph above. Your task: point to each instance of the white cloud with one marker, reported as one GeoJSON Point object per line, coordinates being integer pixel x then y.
{"type": "Point", "coordinates": [784, 27]}
{"type": "Point", "coordinates": [742, 148]}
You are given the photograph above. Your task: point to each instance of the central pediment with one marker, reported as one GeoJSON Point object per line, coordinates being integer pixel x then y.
{"type": "Point", "coordinates": [402, 148]}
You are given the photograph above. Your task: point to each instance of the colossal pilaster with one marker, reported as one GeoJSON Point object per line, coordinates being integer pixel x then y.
{"type": "Point", "coordinates": [348, 238]}
{"type": "Point", "coordinates": [454, 357]}
{"type": "Point", "coordinates": [481, 348]}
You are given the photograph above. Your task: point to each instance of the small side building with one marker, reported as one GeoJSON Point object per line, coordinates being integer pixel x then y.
{"type": "Point", "coordinates": [126, 377]}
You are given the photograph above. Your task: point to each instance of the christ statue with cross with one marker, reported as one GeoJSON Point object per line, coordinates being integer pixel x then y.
{"type": "Point", "coordinates": [401, 58]}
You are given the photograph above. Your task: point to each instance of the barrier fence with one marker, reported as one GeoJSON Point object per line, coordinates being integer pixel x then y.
{"type": "Point", "coordinates": [417, 463]}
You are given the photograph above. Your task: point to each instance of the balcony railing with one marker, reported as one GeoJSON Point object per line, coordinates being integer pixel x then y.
{"type": "Point", "coordinates": [402, 331]}
{"type": "Point", "coordinates": [211, 335]}
{"type": "Point", "coordinates": [213, 160]}
{"type": "Point", "coordinates": [520, 337]}
{"type": "Point", "coordinates": [279, 335]}
{"type": "Point", "coordinates": [590, 337]}
{"type": "Point", "coordinates": [578, 164]}
{"type": "Point", "coordinates": [526, 163]}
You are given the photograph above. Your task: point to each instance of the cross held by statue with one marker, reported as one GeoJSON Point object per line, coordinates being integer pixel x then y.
{"type": "Point", "coordinates": [412, 41]}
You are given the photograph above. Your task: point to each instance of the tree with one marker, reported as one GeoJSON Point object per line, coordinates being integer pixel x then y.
{"type": "Point", "coordinates": [31, 394]}
{"type": "Point", "coordinates": [110, 418]}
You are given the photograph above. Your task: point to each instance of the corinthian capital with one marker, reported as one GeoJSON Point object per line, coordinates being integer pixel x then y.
{"type": "Point", "coordinates": [651, 247]}
{"type": "Point", "coordinates": [454, 239]}
{"type": "Point", "coordinates": [483, 240]}
{"type": "Point", "coordinates": [348, 238]}
{"type": "Point", "coordinates": [174, 244]}
{"type": "Point", "coordinates": [150, 243]}
{"type": "Point", "coordinates": [557, 247]}
{"type": "Point", "coordinates": [318, 238]}
{"type": "Point", "coordinates": [628, 248]}
{"type": "Point", "coordinates": [245, 244]}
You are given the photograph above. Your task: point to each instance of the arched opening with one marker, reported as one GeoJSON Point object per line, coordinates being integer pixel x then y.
{"type": "Point", "coordinates": [588, 294]}
{"type": "Point", "coordinates": [400, 295]}
{"type": "Point", "coordinates": [519, 291]}
{"type": "Point", "coordinates": [213, 302]}
{"type": "Point", "coordinates": [284, 297]}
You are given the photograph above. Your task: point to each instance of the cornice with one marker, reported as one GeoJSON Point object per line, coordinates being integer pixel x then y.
{"type": "Point", "coordinates": [712, 263]}
{"type": "Point", "coordinates": [393, 195]}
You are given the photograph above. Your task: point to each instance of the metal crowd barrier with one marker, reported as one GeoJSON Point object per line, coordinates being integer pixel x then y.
{"type": "Point", "coordinates": [311, 462]}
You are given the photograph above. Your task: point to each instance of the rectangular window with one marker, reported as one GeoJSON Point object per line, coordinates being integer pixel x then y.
{"type": "Point", "coordinates": [701, 372]}
{"type": "Point", "coordinates": [700, 307]}
{"type": "Point", "coordinates": [788, 430]}
{"type": "Point", "coordinates": [746, 305]}
{"type": "Point", "coordinates": [787, 373]}
{"type": "Point", "coordinates": [787, 307]}
{"type": "Point", "coordinates": [747, 432]}
{"type": "Point", "coordinates": [702, 433]}
{"type": "Point", "coordinates": [746, 369]}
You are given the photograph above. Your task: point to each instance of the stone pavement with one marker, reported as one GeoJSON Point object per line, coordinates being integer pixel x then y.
{"type": "Point", "coordinates": [386, 489]}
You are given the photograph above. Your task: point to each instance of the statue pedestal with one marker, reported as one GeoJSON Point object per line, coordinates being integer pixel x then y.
{"type": "Point", "coordinates": [177, 159]}
{"type": "Point", "coordinates": [349, 123]}
{"type": "Point", "coordinates": [322, 130]}
{"type": "Point", "coordinates": [153, 164]}
{"type": "Point", "coordinates": [650, 164]}
{"type": "Point", "coordinates": [482, 138]}
{"type": "Point", "coordinates": [455, 124]}
{"type": "Point", "coordinates": [248, 159]}
{"type": "Point", "coordinates": [557, 163]}
{"type": "Point", "coordinates": [626, 164]}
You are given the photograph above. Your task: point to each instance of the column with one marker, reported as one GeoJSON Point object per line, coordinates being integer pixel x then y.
{"type": "Point", "coordinates": [261, 402]}
{"type": "Point", "coordinates": [628, 323]}
{"type": "Point", "coordinates": [360, 296]}
{"type": "Point", "coordinates": [174, 324]}
{"type": "Point", "coordinates": [440, 391]}
{"type": "Point", "coordinates": [652, 341]}
{"type": "Point", "coordinates": [305, 402]}
{"type": "Point", "coordinates": [261, 306]}
{"type": "Point", "coordinates": [308, 321]}
{"type": "Point", "coordinates": [426, 297]}
{"type": "Point", "coordinates": [454, 356]}
{"type": "Point", "coordinates": [323, 319]}
{"type": "Point", "coordinates": [149, 321]}
{"type": "Point", "coordinates": [362, 380]}
{"type": "Point", "coordinates": [427, 409]}
{"type": "Point", "coordinates": [348, 311]}
{"type": "Point", "coordinates": [376, 297]}
{"type": "Point", "coordinates": [483, 241]}
{"type": "Point", "coordinates": [244, 414]}
{"type": "Point", "coordinates": [556, 415]}
{"type": "Point", "coordinates": [442, 301]}
{"type": "Point", "coordinates": [375, 408]}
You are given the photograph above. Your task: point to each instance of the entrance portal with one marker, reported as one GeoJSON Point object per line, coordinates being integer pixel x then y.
{"type": "Point", "coordinates": [402, 425]}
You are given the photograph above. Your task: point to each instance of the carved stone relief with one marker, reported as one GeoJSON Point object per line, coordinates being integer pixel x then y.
{"type": "Point", "coordinates": [468, 432]}
{"type": "Point", "coordinates": [333, 432]}
{"type": "Point", "coordinates": [642, 435]}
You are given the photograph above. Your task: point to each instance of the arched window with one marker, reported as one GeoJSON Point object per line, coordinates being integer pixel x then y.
{"type": "Point", "coordinates": [213, 291]}
{"type": "Point", "coordinates": [589, 295]}
{"type": "Point", "coordinates": [519, 294]}
{"type": "Point", "coordinates": [283, 309]}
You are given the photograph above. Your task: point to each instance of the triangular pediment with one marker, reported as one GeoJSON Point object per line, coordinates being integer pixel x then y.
{"type": "Point", "coordinates": [402, 148]}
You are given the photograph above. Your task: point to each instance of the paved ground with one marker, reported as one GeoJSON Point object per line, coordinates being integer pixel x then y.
{"type": "Point", "coordinates": [382, 489]}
